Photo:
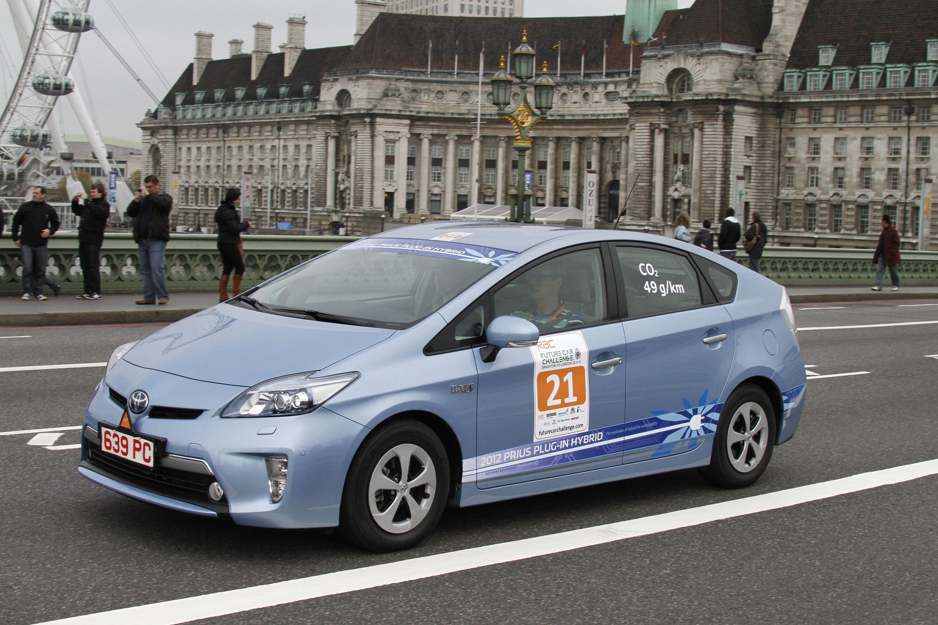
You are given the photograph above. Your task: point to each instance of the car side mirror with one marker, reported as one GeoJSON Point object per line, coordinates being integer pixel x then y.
{"type": "Point", "coordinates": [508, 331]}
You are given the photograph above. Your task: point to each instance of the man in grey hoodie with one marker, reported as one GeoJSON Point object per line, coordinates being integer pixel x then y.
{"type": "Point", "coordinates": [730, 232]}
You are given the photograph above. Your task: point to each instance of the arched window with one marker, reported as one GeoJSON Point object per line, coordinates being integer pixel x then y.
{"type": "Point", "coordinates": [680, 82]}
{"type": "Point", "coordinates": [343, 100]}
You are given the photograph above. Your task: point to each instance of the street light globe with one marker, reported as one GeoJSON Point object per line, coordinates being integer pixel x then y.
{"type": "Point", "coordinates": [544, 91]}
{"type": "Point", "coordinates": [501, 87]}
{"type": "Point", "coordinates": [524, 60]}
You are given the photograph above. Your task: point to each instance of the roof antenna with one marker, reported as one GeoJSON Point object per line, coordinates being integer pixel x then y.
{"type": "Point", "coordinates": [626, 205]}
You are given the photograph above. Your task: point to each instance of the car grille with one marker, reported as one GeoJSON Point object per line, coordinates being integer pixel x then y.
{"type": "Point", "coordinates": [158, 412]}
{"type": "Point", "coordinates": [174, 483]}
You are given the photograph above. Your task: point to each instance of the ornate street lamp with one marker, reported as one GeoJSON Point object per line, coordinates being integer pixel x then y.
{"type": "Point", "coordinates": [523, 116]}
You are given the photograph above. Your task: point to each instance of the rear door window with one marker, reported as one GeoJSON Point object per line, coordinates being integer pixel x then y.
{"type": "Point", "coordinates": [657, 281]}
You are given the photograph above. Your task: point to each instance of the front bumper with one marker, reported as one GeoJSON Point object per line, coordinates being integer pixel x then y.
{"type": "Point", "coordinates": [232, 451]}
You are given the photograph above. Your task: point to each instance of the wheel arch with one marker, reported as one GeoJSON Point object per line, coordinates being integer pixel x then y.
{"type": "Point", "coordinates": [775, 396]}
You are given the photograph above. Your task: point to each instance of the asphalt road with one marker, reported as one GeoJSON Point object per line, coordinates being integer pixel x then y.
{"type": "Point", "coordinates": [71, 548]}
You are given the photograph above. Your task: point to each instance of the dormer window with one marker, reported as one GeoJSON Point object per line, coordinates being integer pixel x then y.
{"type": "Point", "coordinates": [199, 96]}
{"type": "Point", "coordinates": [239, 93]}
{"type": "Point", "coordinates": [261, 92]}
{"type": "Point", "coordinates": [219, 95]}
{"type": "Point", "coordinates": [896, 76]}
{"type": "Point", "coordinates": [307, 89]}
{"type": "Point", "coordinates": [817, 80]}
{"type": "Point", "coordinates": [792, 80]}
{"type": "Point", "coordinates": [284, 90]}
{"type": "Point", "coordinates": [932, 49]}
{"type": "Point", "coordinates": [180, 98]}
{"type": "Point", "coordinates": [869, 76]}
{"type": "Point", "coordinates": [826, 55]}
{"type": "Point", "coordinates": [843, 78]}
{"type": "Point", "coordinates": [925, 74]}
{"type": "Point", "coordinates": [880, 50]}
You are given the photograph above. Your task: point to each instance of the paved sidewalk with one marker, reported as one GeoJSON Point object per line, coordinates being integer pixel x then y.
{"type": "Point", "coordinates": [65, 310]}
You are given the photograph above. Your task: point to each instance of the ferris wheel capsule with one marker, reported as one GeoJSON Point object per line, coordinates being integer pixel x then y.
{"type": "Point", "coordinates": [31, 136]}
{"type": "Point", "coordinates": [53, 84]}
{"type": "Point", "coordinates": [8, 172]}
{"type": "Point", "coordinates": [72, 21]}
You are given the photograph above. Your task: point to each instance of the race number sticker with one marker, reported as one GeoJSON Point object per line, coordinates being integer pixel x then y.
{"type": "Point", "coordinates": [561, 386]}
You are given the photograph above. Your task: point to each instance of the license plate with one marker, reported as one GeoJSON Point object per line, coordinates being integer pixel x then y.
{"type": "Point", "coordinates": [133, 448]}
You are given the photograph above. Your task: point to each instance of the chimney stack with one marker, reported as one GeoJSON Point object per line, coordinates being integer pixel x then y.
{"type": "Point", "coordinates": [234, 47]}
{"type": "Point", "coordinates": [296, 43]}
{"type": "Point", "coordinates": [261, 48]}
{"type": "Point", "coordinates": [366, 12]}
{"type": "Point", "coordinates": [203, 54]}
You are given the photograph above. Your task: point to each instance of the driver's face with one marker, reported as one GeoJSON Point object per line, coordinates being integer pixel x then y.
{"type": "Point", "coordinates": [545, 282]}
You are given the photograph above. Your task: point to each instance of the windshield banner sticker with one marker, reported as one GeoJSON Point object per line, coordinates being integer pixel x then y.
{"type": "Point", "coordinates": [561, 386]}
{"type": "Point", "coordinates": [438, 249]}
{"type": "Point", "coordinates": [451, 236]}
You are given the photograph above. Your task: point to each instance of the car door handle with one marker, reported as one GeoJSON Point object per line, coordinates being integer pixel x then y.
{"type": "Point", "coordinates": [719, 338]}
{"type": "Point", "coordinates": [612, 362]}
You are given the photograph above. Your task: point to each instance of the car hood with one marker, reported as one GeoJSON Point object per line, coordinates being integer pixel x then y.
{"type": "Point", "coordinates": [227, 344]}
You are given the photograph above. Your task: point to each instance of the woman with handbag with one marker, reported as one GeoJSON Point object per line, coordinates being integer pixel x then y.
{"type": "Point", "coordinates": [230, 228]}
{"type": "Point", "coordinates": [754, 241]}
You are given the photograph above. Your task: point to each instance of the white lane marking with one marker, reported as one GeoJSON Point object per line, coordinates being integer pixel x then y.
{"type": "Point", "coordinates": [15, 337]}
{"type": "Point", "coordinates": [61, 429]}
{"type": "Point", "coordinates": [935, 356]}
{"type": "Point", "coordinates": [837, 375]}
{"type": "Point", "coordinates": [83, 365]}
{"type": "Point", "coordinates": [915, 305]}
{"type": "Point", "coordinates": [58, 447]}
{"type": "Point", "coordinates": [810, 366]}
{"type": "Point", "coordinates": [259, 597]}
{"type": "Point", "coordinates": [824, 308]}
{"type": "Point", "coordinates": [45, 439]}
{"type": "Point", "coordinates": [872, 325]}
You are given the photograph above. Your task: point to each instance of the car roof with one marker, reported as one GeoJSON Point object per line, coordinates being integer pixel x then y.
{"type": "Point", "coordinates": [512, 237]}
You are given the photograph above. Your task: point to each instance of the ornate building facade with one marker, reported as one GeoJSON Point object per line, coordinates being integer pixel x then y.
{"type": "Point", "coordinates": [730, 103]}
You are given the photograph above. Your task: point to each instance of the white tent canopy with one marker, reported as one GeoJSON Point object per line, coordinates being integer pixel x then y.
{"type": "Point", "coordinates": [554, 215]}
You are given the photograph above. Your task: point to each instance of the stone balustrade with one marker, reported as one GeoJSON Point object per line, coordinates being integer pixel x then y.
{"type": "Point", "coordinates": [193, 263]}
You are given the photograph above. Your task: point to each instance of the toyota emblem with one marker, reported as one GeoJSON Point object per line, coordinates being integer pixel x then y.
{"type": "Point", "coordinates": [138, 402]}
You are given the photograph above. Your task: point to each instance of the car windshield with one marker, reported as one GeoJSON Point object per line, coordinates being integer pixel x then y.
{"type": "Point", "coordinates": [383, 282]}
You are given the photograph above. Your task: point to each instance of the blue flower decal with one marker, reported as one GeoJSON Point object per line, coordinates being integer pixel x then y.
{"type": "Point", "coordinates": [697, 421]}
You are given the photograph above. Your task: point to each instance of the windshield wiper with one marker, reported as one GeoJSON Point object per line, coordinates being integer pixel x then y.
{"type": "Point", "coordinates": [330, 318]}
{"type": "Point", "coordinates": [253, 302]}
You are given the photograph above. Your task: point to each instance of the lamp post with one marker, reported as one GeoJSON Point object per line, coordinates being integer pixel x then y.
{"type": "Point", "coordinates": [522, 117]}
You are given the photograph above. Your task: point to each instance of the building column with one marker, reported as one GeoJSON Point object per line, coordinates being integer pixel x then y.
{"type": "Point", "coordinates": [377, 199]}
{"type": "Point", "coordinates": [353, 159]}
{"type": "Point", "coordinates": [696, 178]}
{"type": "Point", "coordinates": [551, 199]}
{"type": "Point", "coordinates": [400, 172]}
{"type": "Point", "coordinates": [363, 149]}
{"type": "Point", "coordinates": [500, 168]}
{"type": "Point", "coordinates": [449, 191]}
{"type": "Point", "coordinates": [474, 170]}
{"type": "Point", "coordinates": [330, 170]}
{"type": "Point", "coordinates": [658, 206]}
{"type": "Point", "coordinates": [423, 187]}
{"type": "Point", "coordinates": [598, 168]}
{"type": "Point", "coordinates": [623, 173]}
{"type": "Point", "coordinates": [574, 173]}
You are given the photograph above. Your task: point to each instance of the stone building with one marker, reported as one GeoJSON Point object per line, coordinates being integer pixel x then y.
{"type": "Point", "coordinates": [729, 103]}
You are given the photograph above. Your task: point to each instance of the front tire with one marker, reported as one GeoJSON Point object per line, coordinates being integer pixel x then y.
{"type": "Point", "coordinates": [744, 440]}
{"type": "Point", "coordinates": [396, 488]}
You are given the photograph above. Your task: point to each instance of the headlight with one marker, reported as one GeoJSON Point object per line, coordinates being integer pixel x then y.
{"type": "Point", "coordinates": [117, 354]}
{"type": "Point", "coordinates": [287, 396]}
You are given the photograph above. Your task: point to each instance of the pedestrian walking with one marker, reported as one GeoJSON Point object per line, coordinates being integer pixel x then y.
{"type": "Point", "coordinates": [34, 222]}
{"type": "Point", "coordinates": [230, 227]}
{"type": "Point", "coordinates": [150, 210]}
{"type": "Point", "coordinates": [682, 227]}
{"type": "Point", "coordinates": [729, 235]}
{"type": "Point", "coordinates": [704, 238]}
{"type": "Point", "coordinates": [887, 255]}
{"type": "Point", "coordinates": [93, 212]}
{"type": "Point", "coordinates": [756, 236]}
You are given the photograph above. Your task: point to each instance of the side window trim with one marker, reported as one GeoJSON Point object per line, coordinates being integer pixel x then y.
{"type": "Point", "coordinates": [707, 295]}
{"type": "Point", "coordinates": [443, 336]}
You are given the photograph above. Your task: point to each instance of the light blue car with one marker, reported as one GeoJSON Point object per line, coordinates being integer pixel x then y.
{"type": "Point", "coordinates": [451, 363]}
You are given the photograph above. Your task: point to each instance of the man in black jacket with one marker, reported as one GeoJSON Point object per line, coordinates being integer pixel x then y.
{"type": "Point", "coordinates": [93, 213]}
{"type": "Point", "coordinates": [729, 235]}
{"type": "Point", "coordinates": [150, 211]}
{"type": "Point", "coordinates": [38, 221]}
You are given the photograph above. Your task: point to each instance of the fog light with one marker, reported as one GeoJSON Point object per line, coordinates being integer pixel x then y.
{"type": "Point", "coordinates": [215, 491]}
{"type": "Point", "coordinates": [276, 477]}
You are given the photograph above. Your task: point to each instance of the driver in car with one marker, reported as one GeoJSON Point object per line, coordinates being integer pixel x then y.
{"type": "Point", "coordinates": [546, 310]}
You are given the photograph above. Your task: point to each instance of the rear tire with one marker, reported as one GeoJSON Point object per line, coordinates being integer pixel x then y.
{"type": "Point", "coordinates": [744, 440]}
{"type": "Point", "coordinates": [396, 488]}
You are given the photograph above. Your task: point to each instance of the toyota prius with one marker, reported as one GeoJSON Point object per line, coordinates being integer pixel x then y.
{"type": "Point", "coordinates": [451, 364]}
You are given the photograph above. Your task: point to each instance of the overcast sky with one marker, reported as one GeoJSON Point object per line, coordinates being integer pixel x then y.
{"type": "Point", "coordinates": [166, 29]}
